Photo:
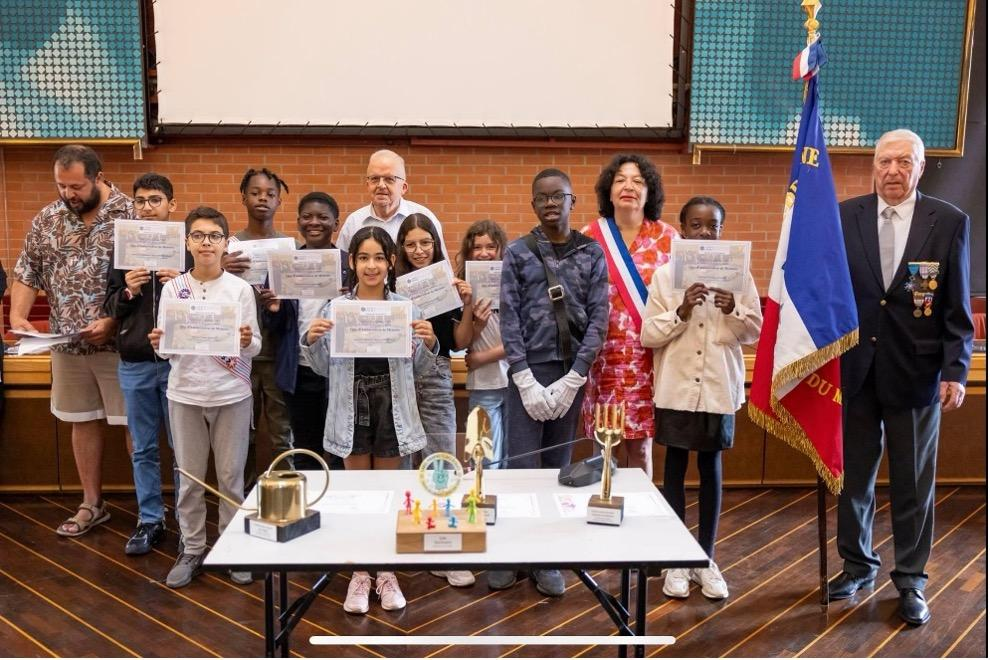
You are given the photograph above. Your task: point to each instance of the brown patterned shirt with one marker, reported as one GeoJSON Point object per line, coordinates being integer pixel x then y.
{"type": "Point", "coordinates": [69, 261]}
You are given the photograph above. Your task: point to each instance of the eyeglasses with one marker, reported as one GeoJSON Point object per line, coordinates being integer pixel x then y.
{"type": "Point", "coordinates": [425, 245]}
{"type": "Point", "coordinates": [557, 198]}
{"type": "Point", "coordinates": [214, 236]}
{"type": "Point", "coordinates": [154, 201]}
{"type": "Point", "coordinates": [389, 180]}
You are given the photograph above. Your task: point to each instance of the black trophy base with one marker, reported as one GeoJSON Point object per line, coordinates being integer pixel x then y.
{"type": "Point", "coordinates": [282, 532]}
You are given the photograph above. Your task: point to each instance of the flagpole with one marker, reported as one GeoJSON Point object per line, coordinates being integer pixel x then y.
{"type": "Point", "coordinates": [811, 25]}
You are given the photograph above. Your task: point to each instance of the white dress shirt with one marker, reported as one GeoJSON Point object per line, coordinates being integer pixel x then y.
{"type": "Point", "coordinates": [365, 217]}
{"type": "Point", "coordinates": [902, 224]}
{"type": "Point", "coordinates": [698, 364]}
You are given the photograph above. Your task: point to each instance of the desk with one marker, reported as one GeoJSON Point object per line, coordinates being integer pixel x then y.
{"type": "Point", "coordinates": [641, 543]}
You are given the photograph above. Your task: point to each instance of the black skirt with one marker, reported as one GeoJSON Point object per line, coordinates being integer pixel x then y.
{"type": "Point", "coordinates": [697, 431]}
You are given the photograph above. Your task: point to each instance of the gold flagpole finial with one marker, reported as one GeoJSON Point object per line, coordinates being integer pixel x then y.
{"type": "Point", "coordinates": [811, 8]}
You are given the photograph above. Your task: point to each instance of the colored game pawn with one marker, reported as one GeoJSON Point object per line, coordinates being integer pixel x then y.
{"type": "Point", "coordinates": [446, 508]}
{"type": "Point", "coordinates": [452, 522]}
{"type": "Point", "coordinates": [408, 502]}
{"type": "Point", "coordinates": [429, 522]}
{"type": "Point", "coordinates": [434, 510]}
{"type": "Point", "coordinates": [472, 506]}
{"type": "Point", "coordinates": [417, 512]}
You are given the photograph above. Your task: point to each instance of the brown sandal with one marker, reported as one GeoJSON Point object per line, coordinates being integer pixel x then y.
{"type": "Point", "coordinates": [98, 514]}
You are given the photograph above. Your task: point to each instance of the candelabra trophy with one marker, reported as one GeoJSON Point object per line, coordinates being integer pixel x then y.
{"type": "Point", "coordinates": [478, 447]}
{"type": "Point", "coordinates": [610, 422]}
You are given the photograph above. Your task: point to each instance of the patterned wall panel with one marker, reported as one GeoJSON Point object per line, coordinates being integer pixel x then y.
{"type": "Point", "coordinates": [71, 69]}
{"type": "Point", "coordinates": [892, 63]}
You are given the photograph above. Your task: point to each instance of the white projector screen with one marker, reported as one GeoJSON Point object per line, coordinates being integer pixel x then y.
{"type": "Point", "coordinates": [446, 63]}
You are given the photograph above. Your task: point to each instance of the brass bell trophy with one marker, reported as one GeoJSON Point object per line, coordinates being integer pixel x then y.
{"type": "Point", "coordinates": [607, 509]}
{"type": "Point", "coordinates": [282, 513]}
{"type": "Point", "coordinates": [478, 447]}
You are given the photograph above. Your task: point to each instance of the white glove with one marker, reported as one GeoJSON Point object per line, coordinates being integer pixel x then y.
{"type": "Point", "coordinates": [535, 399]}
{"type": "Point", "coordinates": [564, 390]}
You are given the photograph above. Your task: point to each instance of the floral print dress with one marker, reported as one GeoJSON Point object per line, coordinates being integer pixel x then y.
{"type": "Point", "coordinates": [623, 370]}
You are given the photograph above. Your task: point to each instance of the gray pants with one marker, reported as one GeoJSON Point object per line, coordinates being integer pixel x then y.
{"type": "Point", "coordinates": [435, 401]}
{"type": "Point", "coordinates": [523, 433]}
{"type": "Point", "coordinates": [195, 430]}
{"type": "Point", "coordinates": [911, 436]}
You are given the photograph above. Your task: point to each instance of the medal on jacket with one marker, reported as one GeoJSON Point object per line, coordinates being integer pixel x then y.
{"type": "Point", "coordinates": [929, 299]}
{"type": "Point", "coordinates": [919, 303]}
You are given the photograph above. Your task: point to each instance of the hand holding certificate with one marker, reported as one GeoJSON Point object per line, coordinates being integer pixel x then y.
{"type": "Point", "coordinates": [716, 264]}
{"type": "Point", "coordinates": [199, 327]}
{"type": "Point", "coordinates": [485, 278]}
{"type": "Point", "coordinates": [150, 244]}
{"type": "Point", "coordinates": [431, 288]}
{"type": "Point", "coordinates": [257, 251]}
{"type": "Point", "coordinates": [371, 328]}
{"type": "Point", "coordinates": [304, 274]}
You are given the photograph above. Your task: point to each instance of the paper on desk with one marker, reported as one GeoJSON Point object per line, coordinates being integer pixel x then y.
{"type": "Point", "coordinates": [32, 342]}
{"type": "Point", "coordinates": [356, 502]}
{"type": "Point", "coordinates": [641, 504]}
{"type": "Point", "coordinates": [518, 505]}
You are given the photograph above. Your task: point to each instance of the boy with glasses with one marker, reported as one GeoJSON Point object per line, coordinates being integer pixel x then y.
{"type": "Point", "coordinates": [132, 299]}
{"type": "Point", "coordinates": [554, 313]}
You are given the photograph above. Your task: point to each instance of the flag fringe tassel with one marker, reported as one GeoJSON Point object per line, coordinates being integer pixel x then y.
{"type": "Point", "coordinates": [784, 426]}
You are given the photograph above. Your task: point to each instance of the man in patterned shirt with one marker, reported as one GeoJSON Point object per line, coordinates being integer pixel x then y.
{"type": "Point", "coordinates": [66, 254]}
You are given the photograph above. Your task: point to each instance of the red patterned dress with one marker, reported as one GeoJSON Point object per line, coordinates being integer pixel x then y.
{"type": "Point", "coordinates": [623, 370]}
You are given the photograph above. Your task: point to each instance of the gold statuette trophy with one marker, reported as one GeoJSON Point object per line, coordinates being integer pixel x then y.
{"type": "Point", "coordinates": [606, 509]}
{"type": "Point", "coordinates": [282, 513]}
{"type": "Point", "coordinates": [478, 447]}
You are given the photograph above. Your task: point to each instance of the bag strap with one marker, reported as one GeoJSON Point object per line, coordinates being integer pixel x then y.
{"type": "Point", "coordinates": [556, 293]}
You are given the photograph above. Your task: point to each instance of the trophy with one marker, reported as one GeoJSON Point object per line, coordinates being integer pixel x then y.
{"type": "Point", "coordinates": [478, 447]}
{"type": "Point", "coordinates": [610, 423]}
{"type": "Point", "coordinates": [437, 527]}
{"type": "Point", "coordinates": [282, 513]}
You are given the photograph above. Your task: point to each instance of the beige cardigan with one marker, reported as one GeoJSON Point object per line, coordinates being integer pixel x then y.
{"type": "Point", "coordinates": [698, 363]}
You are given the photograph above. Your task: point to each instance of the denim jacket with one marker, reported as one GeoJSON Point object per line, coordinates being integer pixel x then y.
{"type": "Point", "coordinates": [338, 433]}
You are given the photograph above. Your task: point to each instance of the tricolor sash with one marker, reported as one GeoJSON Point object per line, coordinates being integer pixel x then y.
{"type": "Point", "coordinates": [621, 268]}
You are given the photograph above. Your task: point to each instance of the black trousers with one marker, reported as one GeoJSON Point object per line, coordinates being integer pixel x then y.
{"type": "Point", "coordinates": [911, 437]}
{"type": "Point", "coordinates": [307, 418]}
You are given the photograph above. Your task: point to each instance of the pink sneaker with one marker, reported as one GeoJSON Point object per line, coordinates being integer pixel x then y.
{"type": "Point", "coordinates": [387, 588]}
{"type": "Point", "coordinates": [357, 593]}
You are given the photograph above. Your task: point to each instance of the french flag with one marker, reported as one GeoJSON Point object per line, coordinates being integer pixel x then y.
{"type": "Point", "coordinates": [810, 317]}
{"type": "Point", "coordinates": [808, 61]}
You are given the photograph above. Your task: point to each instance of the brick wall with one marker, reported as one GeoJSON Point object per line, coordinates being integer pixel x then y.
{"type": "Point", "coordinates": [461, 182]}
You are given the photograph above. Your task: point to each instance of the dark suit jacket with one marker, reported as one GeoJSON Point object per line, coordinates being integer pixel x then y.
{"type": "Point", "coordinates": [911, 355]}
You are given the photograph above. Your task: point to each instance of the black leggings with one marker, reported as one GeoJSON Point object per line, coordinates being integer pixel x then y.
{"type": "Point", "coordinates": [709, 496]}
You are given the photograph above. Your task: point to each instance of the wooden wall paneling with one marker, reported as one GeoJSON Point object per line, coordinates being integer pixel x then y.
{"type": "Point", "coordinates": [28, 448]}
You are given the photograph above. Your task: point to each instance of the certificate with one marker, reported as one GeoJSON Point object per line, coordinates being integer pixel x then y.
{"type": "Point", "coordinates": [485, 278]}
{"type": "Point", "coordinates": [431, 288]}
{"type": "Point", "coordinates": [371, 328]}
{"type": "Point", "coordinates": [257, 251]}
{"type": "Point", "coordinates": [304, 274]}
{"type": "Point", "coordinates": [719, 264]}
{"type": "Point", "coordinates": [151, 244]}
{"type": "Point", "coordinates": [200, 327]}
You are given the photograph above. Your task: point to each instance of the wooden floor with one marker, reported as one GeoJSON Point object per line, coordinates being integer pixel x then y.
{"type": "Point", "coordinates": [84, 597]}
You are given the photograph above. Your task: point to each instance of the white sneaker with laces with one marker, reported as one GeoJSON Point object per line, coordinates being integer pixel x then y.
{"type": "Point", "coordinates": [712, 583]}
{"type": "Point", "coordinates": [357, 593]}
{"type": "Point", "coordinates": [677, 584]}
{"type": "Point", "coordinates": [456, 578]}
{"type": "Point", "coordinates": [387, 588]}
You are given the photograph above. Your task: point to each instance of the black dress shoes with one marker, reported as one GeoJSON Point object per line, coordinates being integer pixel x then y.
{"type": "Point", "coordinates": [845, 585]}
{"type": "Point", "coordinates": [913, 608]}
{"type": "Point", "coordinates": [146, 536]}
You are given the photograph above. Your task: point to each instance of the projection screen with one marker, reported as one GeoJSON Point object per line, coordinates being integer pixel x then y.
{"type": "Point", "coordinates": [446, 63]}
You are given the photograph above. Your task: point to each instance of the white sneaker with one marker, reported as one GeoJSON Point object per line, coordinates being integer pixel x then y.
{"type": "Point", "coordinates": [357, 593]}
{"type": "Point", "coordinates": [387, 588]}
{"type": "Point", "coordinates": [456, 578]}
{"type": "Point", "coordinates": [677, 584]}
{"type": "Point", "coordinates": [712, 583]}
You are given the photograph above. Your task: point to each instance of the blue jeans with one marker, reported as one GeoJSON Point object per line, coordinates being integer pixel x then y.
{"type": "Point", "coordinates": [493, 403]}
{"type": "Point", "coordinates": [144, 385]}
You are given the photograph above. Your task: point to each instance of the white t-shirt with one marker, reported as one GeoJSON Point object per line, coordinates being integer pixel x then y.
{"type": "Point", "coordinates": [202, 380]}
{"type": "Point", "coordinates": [494, 375]}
